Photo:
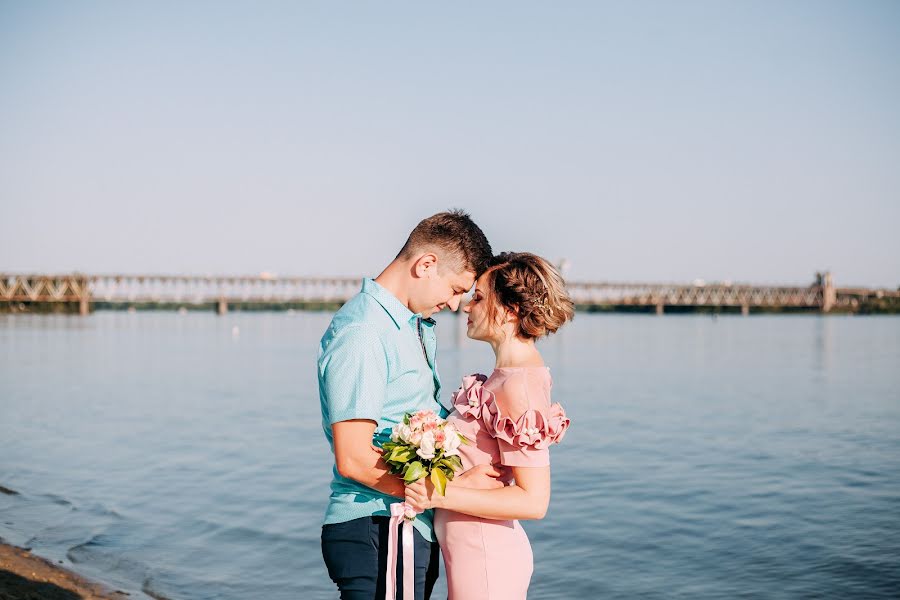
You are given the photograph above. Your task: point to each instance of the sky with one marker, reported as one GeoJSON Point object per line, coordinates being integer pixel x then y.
{"type": "Point", "coordinates": [754, 141]}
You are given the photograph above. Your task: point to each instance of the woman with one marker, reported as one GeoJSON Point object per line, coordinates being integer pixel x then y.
{"type": "Point", "coordinates": [511, 421]}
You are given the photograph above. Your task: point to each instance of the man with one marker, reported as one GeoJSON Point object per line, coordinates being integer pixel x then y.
{"type": "Point", "coordinates": [376, 363]}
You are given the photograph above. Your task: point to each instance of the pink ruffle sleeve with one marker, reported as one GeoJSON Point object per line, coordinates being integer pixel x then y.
{"type": "Point", "coordinates": [524, 442]}
{"type": "Point", "coordinates": [472, 397]}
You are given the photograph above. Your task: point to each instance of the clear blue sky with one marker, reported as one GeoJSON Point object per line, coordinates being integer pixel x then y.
{"type": "Point", "coordinates": [751, 141]}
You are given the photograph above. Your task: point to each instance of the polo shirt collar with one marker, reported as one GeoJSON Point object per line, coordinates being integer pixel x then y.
{"type": "Point", "coordinates": [398, 311]}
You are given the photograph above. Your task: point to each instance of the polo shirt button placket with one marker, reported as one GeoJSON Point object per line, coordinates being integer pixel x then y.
{"type": "Point", "coordinates": [421, 337]}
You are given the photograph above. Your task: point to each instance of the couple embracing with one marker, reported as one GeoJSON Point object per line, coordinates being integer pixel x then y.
{"type": "Point", "coordinates": [377, 363]}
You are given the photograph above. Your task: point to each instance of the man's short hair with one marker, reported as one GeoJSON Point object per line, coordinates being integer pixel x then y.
{"type": "Point", "coordinates": [457, 238]}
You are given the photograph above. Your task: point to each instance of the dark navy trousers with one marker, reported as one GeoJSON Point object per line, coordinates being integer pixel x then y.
{"type": "Point", "coordinates": [355, 553]}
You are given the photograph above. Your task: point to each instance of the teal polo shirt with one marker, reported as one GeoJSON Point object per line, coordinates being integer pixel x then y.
{"type": "Point", "coordinates": [374, 365]}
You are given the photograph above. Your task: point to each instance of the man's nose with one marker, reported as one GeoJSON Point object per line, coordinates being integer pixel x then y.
{"type": "Point", "coordinates": [453, 303]}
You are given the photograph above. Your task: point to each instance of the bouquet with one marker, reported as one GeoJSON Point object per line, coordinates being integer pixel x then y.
{"type": "Point", "coordinates": [424, 445]}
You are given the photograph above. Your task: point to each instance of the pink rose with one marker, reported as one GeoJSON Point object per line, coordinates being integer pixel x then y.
{"type": "Point", "coordinates": [439, 437]}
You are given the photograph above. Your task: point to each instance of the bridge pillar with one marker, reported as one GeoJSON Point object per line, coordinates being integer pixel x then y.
{"type": "Point", "coordinates": [84, 306]}
{"type": "Point", "coordinates": [660, 308]}
{"type": "Point", "coordinates": [221, 306]}
{"type": "Point", "coordinates": [745, 309]}
{"type": "Point", "coordinates": [829, 293]}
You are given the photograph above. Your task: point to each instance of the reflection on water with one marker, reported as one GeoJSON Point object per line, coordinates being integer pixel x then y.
{"type": "Point", "coordinates": [823, 345]}
{"type": "Point", "coordinates": [708, 457]}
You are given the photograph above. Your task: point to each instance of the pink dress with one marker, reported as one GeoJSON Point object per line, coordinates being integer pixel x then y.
{"type": "Point", "coordinates": [486, 559]}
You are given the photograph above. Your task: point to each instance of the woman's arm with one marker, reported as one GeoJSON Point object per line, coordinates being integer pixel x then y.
{"type": "Point", "coordinates": [527, 499]}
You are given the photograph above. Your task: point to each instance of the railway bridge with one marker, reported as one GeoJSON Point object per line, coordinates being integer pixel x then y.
{"type": "Point", "coordinates": [80, 293]}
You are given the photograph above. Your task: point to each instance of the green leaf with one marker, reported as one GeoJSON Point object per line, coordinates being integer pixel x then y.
{"type": "Point", "coordinates": [406, 455]}
{"type": "Point", "coordinates": [439, 479]}
{"type": "Point", "coordinates": [464, 439]}
{"type": "Point", "coordinates": [413, 472]}
{"type": "Point", "coordinates": [450, 464]}
{"type": "Point", "coordinates": [401, 453]}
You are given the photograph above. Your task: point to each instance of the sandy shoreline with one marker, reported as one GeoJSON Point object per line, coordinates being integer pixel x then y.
{"type": "Point", "coordinates": [24, 576]}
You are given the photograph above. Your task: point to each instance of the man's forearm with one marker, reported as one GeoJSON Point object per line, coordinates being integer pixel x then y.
{"type": "Point", "coordinates": [373, 472]}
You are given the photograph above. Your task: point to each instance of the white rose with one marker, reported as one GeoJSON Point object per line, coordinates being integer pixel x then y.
{"type": "Point", "coordinates": [451, 444]}
{"type": "Point", "coordinates": [426, 446]}
{"type": "Point", "coordinates": [401, 432]}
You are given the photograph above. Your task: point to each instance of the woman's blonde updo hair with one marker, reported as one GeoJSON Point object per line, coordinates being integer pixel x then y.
{"type": "Point", "coordinates": [531, 288]}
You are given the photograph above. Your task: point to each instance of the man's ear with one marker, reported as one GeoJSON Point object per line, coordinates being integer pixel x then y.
{"type": "Point", "coordinates": [426, 265]}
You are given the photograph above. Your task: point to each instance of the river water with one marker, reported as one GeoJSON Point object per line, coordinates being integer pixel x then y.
{"type": "Point", "coordinates": [733, 457]}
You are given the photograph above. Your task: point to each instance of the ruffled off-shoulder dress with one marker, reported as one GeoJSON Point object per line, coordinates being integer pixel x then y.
{"type": "Point", "coordinates": [487, 559]}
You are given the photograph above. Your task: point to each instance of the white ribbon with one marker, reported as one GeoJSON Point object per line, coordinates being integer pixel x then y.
{"type": "Point", "coordinates": [399, 511]}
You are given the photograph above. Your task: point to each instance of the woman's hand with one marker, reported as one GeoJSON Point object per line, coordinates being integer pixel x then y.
{"type": "Point", "coordinates": [481, 477]}
{"type": "Point", "coordinates": [420, 495]}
